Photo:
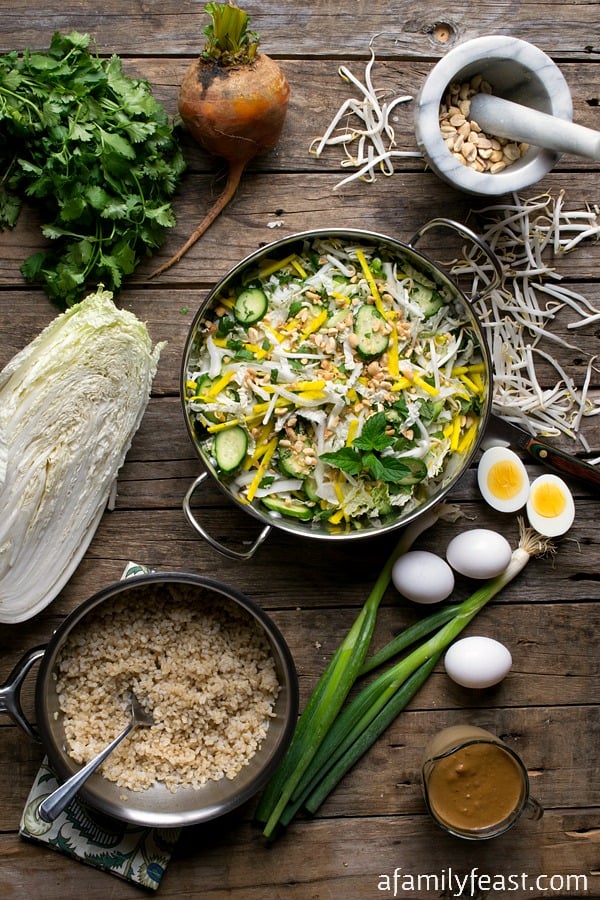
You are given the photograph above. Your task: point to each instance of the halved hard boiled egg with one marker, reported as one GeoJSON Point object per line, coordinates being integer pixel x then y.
{"type": "Point", "coordinates": [550, 507]}
{"type": "Point", "coordinates": [503, 479]}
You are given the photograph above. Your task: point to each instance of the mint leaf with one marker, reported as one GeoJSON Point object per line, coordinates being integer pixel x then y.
{"type": "Point", "coordinates": [373, 436]}
{"type": "Point", "coordinates": [393, 470]}
{"type": "Point", "coordinates": [346, 459]}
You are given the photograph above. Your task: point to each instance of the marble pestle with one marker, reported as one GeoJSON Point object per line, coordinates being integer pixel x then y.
{"type": "Point", "coordinates": [506, 119]}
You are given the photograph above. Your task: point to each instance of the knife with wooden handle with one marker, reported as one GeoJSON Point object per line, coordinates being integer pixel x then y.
{"type": "Point", "coordinates": [501, 432]}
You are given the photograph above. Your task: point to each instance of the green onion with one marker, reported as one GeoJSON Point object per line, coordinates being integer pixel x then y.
{"type": "Point", "coordinates": [380, 722]}
{"type": "Point", "coordinates": [327, 743]}
{"type": "Point", "coordinates": [334, 685]}
{"type": "Point", "coordinates": [410, 636]}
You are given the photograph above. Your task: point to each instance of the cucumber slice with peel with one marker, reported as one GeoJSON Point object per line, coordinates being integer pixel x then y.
{"type": "Point", "coordinates": [230, 448]}
{"type": "Point", "coordinates": [250, 305]}
{"type": "Point", "coordinates": [369, 326]}
{"type": "Point", "coordinates": [294, 508]}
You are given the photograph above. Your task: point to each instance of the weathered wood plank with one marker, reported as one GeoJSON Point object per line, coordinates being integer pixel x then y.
{"type": "Point", "coordinates": [328, 859]}
{"type": "Point", "coordinates": [387, 780]}
{"type": "Point", "coordinates": [375, 822]}
{"type": "Point", "coordinates": [287, 29]}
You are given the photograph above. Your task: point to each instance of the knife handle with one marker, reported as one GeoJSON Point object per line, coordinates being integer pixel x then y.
{"type": "Point", "coordinates": [563, 463]}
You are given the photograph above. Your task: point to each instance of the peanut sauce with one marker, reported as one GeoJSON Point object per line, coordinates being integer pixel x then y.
{"type": "Point", "coordinates": [476, 787]}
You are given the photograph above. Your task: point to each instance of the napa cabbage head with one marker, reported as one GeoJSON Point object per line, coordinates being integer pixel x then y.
{"type": "Point", "coordinates": [70, 404]}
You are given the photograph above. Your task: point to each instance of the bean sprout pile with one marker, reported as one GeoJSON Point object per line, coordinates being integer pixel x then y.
{"type": "Point", "coordinates": [366, 135]}
{"type": "Point", "coordinates": [527, 235]}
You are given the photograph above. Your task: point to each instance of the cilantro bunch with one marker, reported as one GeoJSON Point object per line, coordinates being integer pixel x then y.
{"type": "Point", "coordinates": [94, 151]}
{"type": "Point", "coordinates": [366, 455]}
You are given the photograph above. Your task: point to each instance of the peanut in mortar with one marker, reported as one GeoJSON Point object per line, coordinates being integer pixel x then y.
{"type": "Point", "coordinates": [464, 138]}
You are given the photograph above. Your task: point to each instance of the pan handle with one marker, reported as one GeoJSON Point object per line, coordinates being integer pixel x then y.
{"type": "Point", "coordinates": [465, 232]}
{"type": "Point", "coordinates": [10, 691]}
{"type": "Point", "coordinates": [221, 548]}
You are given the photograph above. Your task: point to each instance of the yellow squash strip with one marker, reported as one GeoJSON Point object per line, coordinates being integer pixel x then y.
{"type": "Point", "coordinates": [393, 361]}
{"type": "Point", "coordinates": [259, 352]}
{"type": "Point", "coordinates": [299, 269]}
{"type": "Point", "coordinates": [219, 384]}
{"type": "Point", "coordinates": [255, 483]}
{"type": "Point", "coordinates": [401, 384]}
{"type": "Point", "coordinates": [223, 426]}
{"type": "Point", "coordinates": [275, 334]}
{"type": "Point", "coordinates": [372, 284]}
{"type": "Point", "coordinates": [352, 429]}
{"type": "Point", "coordinates": [455, 434]}
{"type": "Point", "coordinates": [466, 442]}
{"type": "Point", "coordinates": [468, 383]}
{"type": "Point", "coordinates": [425, 386]}
{"type": "Point", "coordinates": [314, 325]}
{"type": "Point", "coordinates": [276, 266]}
{"type": "Point", "coordinates": [310, 395]}
{"type": "Point", "coordinates": [472, 368]}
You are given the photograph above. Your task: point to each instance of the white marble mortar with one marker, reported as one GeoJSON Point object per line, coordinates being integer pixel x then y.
{"type": "Point", "coordinates": [517, 71]}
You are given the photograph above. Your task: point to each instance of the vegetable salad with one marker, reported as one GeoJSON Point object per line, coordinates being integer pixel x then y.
{"type": "Point", "coordinates": [336, 384]}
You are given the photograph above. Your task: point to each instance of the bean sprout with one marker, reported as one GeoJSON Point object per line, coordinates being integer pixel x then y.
{"type": "Point", "coordinates": [367, 126]}
{"type": "Point", "coordinates": [517, 315]}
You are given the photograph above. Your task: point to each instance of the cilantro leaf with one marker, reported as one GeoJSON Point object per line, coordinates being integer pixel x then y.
{"type": "Point", "coordinates": [93, 149]}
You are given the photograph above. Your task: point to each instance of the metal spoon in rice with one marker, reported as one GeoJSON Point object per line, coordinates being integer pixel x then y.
{"type": "Point", "coordinates": [54, 804]}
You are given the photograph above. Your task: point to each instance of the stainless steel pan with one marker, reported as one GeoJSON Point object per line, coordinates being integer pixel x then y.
{"type": "Point", "coordinates": [157, 806]}
{"type": "Point", "coordinates": [454, 470]}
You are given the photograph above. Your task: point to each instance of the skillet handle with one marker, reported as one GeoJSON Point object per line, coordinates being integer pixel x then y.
{"type": "Point", "coordinates": [466, 232]}
{"type": "Point", "coordinates": [221, 548]}
{"type": "Point", "coordinates": [10, 691]}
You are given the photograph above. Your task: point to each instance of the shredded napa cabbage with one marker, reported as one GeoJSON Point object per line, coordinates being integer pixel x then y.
{"type": "Point", "coordinates": [70, 404]}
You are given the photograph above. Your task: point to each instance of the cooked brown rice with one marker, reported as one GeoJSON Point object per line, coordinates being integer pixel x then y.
{"type": "Point", "coordinates": [203, 669]}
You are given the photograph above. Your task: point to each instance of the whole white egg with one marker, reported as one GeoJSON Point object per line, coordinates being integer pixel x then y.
{"type": "Point", "coordinates": [423, 577]}
{"type": "Point", "coordinates": [479, 553]}
{"type": "Point", "coordinates": [477, 662]}
{"type": "Point", "coordinates": [550, 507]}
{"type": "Point", "coordinates": [503, 479]}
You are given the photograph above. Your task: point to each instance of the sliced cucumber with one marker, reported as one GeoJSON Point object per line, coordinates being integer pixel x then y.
{"type": "Point", "coordinates": [294, 508]}
{"type": "Point", "coordinates": [310, 489]}
{"type": "Point", "coordinates": [230, 447]}
{"type": "Point", "coordinates": [293, 463]}
{"type": "Point", "coordinates": [369, 328]}
{"type": "Point", "coordinates": [428, 299]}
{"type": "Point", "coordinates": [250, 305]}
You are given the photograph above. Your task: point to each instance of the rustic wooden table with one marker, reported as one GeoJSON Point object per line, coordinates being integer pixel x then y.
{"type": "Point", "coordinates": [375, 824]}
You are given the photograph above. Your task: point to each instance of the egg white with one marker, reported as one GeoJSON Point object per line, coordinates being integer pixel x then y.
{"type": "Point", "coordinates": [502, 479]}
{"type": "Point", "coordinates": [554, 514]}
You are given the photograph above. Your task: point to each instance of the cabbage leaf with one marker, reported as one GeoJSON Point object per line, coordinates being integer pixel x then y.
{"type": "Point", "coordinates": [70, 404]}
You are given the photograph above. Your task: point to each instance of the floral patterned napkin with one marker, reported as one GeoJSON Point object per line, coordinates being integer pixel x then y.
{"type": "Point", "coordinates": [135, 853]}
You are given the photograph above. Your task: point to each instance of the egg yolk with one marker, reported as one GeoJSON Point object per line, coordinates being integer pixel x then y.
{"type": "Point", "coordinates": [504, 480]}
{"type": "Point", "coordinates": [548, 500]}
